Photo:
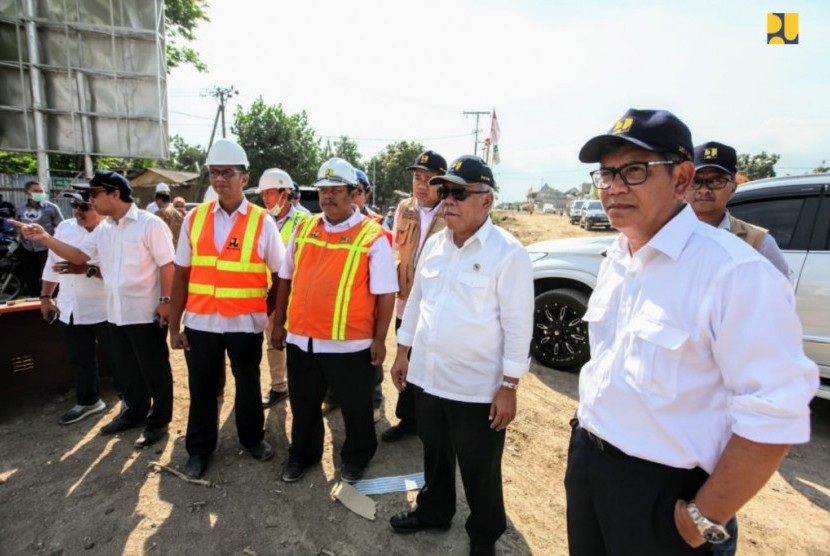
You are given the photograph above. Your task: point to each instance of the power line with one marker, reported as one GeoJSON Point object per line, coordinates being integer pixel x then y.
{"type": "Point", "coordinates": [222, 95]}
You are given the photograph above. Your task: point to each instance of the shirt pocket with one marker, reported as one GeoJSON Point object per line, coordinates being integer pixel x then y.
{"type": "Point", "coordinates": [475, 291]}
{"type": "Point", "coordinates": [654, 356]}
{"type": "Point", "coordinates": [132, 256]}
{"type": "Point", "coordinates": [430, 281]}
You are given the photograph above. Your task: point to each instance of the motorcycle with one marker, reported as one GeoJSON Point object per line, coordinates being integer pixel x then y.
{"type": "Point", "coordinates": [11, 285]}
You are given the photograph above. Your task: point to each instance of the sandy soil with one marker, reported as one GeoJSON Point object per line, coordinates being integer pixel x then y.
{"type": "Point", "coordinates": [67, 490]}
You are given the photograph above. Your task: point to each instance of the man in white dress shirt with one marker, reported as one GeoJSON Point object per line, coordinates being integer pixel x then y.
{"type": "Point", "coordinates": [468, 320]}
{"type": "Point", "coordinates": [693, 394]}
{"type": "Point", "coordinates": [135, 252]}
{"type": "Point", "coordinates": [81, 307]}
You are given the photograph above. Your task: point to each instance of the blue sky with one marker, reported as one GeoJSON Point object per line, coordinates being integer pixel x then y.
{"type": "Point", "coordinates": [557, 74]}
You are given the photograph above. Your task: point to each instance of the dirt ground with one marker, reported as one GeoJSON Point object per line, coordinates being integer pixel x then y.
{"type": "Point", "coordinates": [67, 490]}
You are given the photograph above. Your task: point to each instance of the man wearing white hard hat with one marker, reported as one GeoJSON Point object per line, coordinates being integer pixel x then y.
{"type": "Point", "coordinates": [227, 251]}
{"type": "Point", "coordinates": [335, 300]}
{"type": "Point", "coordinates": [275, 187]}
{"type": "Point", "coordinates": [161, 200]}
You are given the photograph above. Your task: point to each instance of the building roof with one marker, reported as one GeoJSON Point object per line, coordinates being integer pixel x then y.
{"type": "Point", "coordinates": [153, 176]}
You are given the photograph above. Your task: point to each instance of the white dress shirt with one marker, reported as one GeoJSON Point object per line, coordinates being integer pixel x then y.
{"type": "Point", "coordinates": [693, 338]}
{"type": "Point", "coordinates": [269, 247]}
{"type": "Point", "coordinates": [768, 249]}
{"type": "Point", "coordinates": [469, 317]}
{"type": "Point", "coordinates": [80, 298]}
{"type": "Point", "coordinates": [130, 252]}
{"type": "Point", "coordinates": [152, 207]}
{"type": "Point", "coordinates": [382, 279]}
{"type": "Point", "coordinates": [425, 216]}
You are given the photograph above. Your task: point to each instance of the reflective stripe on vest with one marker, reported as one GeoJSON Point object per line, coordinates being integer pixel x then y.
{"type": "Point", "coordinates": [357, 253]}
{"type": "Point", "coordinates": [286, 230]}
{"type": "Point", "coordinates": [218, 283]}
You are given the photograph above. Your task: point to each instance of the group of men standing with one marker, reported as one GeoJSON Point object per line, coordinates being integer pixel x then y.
{"type": "Point", "coordinates": [689, 403]}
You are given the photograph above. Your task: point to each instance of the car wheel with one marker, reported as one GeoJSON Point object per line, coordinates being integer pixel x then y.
{"type": "Point", "coordinates": [560, 336]}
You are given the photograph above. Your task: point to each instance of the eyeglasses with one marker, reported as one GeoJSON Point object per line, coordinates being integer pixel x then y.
{"type": "Point", "coordinates": [712, 183]}
{"type": "Point", "coordinates": [227, 173]}
{"type": "Point", "coordinates": [633, 173]}
{"type": "Point", "coordinates": [97, 191]}
{"type": "Point", "coordinates": [459, 193]}
{"type": "Point", "coordinates": [83, 207]}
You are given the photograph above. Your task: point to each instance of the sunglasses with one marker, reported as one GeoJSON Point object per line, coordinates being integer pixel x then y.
{"type": "Point", "coordinates": [459, 193]}
{"type": "Point", "coordinates": [83, 207]}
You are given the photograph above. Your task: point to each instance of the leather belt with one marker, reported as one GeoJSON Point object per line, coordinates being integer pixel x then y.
{"type": "Point", "coordinates": [604, 445]}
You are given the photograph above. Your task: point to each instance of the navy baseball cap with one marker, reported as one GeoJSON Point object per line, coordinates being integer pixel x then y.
{"type": "Point", "coordinates": [82, 195]}
{"type": "Point", "coordinates": [363, 179]}
{"type": "Point", "coordinates": [466, 170]}
{"type": "Point", "coordinates": [652, 130]}
{"type": "Point", "coordinates": [716, 155]}
{"type": "Point", "coordinates": [111, 181]}
{"type": "Point", "coordinates": [296, 193]}
{"type": "Point", "coordinates": [430, 161]}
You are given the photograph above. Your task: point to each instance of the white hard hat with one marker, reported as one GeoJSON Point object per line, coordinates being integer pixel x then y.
{"type": "Point", "coordinates": [336, 171]}
{"type": "Point", "coordinates": [274, 178]}
{"type": "Point", "coordinates": [225, 152]}
{"type": "Point", "coordinates": [162, 188]}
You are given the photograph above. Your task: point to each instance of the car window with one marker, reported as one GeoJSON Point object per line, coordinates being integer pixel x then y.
{"type": "Point", "coordinates": [779, 216]}
{"type": "Point", "coordinates": [594, 205]}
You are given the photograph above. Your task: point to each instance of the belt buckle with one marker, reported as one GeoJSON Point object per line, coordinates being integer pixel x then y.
{"type": "Point", "coordinates": [596, 440]}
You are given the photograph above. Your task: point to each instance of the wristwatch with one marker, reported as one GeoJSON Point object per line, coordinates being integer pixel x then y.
{"type": "Point", "coordinates": [92, 272]}
{"type": "Point", "coordinates": [164, 299]}
{"type": "Point", "coordinates": [714, 533]}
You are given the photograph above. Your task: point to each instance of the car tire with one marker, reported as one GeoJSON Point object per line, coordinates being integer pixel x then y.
{"type": "Point", "coordinates": [560, 336]}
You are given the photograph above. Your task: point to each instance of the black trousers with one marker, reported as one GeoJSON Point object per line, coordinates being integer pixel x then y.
{"type": "Point", "coordinates": [451, 430]}
{"type": "Point", "coordinates": [31, 268]}
{"type": "Point", "coordinates": [205, 372]}
{"type": "Point", "coordinates": [622, 505]}
{"type": "Point", "coordinates": [143, 365]}
{"type": "Point", "coordinates": [352, 377]}
{"type": "Point", "coordinates": [82, 342]}
{"type": "Point", "coordinates": [405, 406]}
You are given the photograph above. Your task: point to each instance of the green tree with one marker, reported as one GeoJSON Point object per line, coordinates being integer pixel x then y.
{"type": "Point", "coordinates": [17, 163]}
{"type": "Point", "coordinates": [180, 20]}
{"type": "Point", "coordinates": [757, 166]}
{"type": "Point", "coordinates": [388, 171]}
{"type": "Point", "coordinates": [346, 149]}
{"type": "Point", "coordinates": [822, 168]}
{"type": "Point", "coordinates": [184, 157]}
{"type": "Point", "coordinates": [273, 138]}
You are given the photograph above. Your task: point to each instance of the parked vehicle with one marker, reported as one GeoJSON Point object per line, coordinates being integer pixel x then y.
{"type": "Point", "coordinates": [593, 216]}
{"type": "Point", "coordinates": [548, 208]}
{"type": "Point", "coordinates": [576, 211]}
{"type": "Point", "coordinates": [795, 210]}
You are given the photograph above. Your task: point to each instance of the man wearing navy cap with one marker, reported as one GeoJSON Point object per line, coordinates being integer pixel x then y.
{"type": "Point", "coordinates": [81, 308]}
{"type": "Point", "coordinates": [416, 219]}
{"type": "Point", "coordinates": [469, 320]}
{"type": "Point", "coordinates": [135, 252]}
{"type": "Point", "coordinates": [693, 394]}
{"type": "Point", "coordinates": [295, 200]}
{"type": "Point", "coordinates": [714, 184]}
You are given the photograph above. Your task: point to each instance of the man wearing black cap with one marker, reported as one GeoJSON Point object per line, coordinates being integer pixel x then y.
{"type": "Point", "coordinates": [416, 219]}
{"type": "Point", "coordinates": [693, 394]}
{"type": "Point", "coordinates": [295, 200]}
{"type": "Point", "coordinates": [469, 320]}
{"type": "Point", "coordinates": [714, 184]}
{"type": "Point", "coordinates": [80, 306]}
{"type": "Point", "coordinates": [135, 251]}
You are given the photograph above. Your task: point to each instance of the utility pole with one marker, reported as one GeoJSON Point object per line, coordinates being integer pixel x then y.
{"type": "Point", "coordinates": [222, 95]}
{"type": "Point", "coordinates": [477, 114]}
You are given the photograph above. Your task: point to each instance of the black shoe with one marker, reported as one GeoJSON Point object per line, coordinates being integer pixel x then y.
{"type": "Point", "coordinates": [393, 434]}
{"type": "Point", "coordinates": [273, 397]}
{"type": "Point", "coordinates": [483, 550]}
{"type": "Point", "coordinates": [352, 473]}
{"type": "Point", "coordinates": [117, 425]}
{"type": "Point", "coordinates": [408, 522]}
{"type": "Point", "coordinates": [149, 437]}
{"type": "Point", "coordinates": [293, 471]}
{"type": "Point", "coordinates": [195, 467]}
{"type": "Point", "coordinates": [262, 451]}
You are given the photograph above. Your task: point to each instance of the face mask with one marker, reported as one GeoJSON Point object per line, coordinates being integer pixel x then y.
{"type": "Point", "coordinates": [276, 210]}
{"type": "Point", "coordinates": [38, 197]}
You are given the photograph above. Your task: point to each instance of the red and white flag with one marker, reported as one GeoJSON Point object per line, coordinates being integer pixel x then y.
{"type": "Point", "coordinates": [495, 133]}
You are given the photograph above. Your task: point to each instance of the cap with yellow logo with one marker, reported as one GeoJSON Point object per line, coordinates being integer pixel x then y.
{"type": "Point", "coordinates": [466, 170]}
{"type": "Point", "coordinates": [430, 161]}
{"type": "Point", "coordinates": [652, 130]}
{"type": "Point", "coordinates": [716, 155]}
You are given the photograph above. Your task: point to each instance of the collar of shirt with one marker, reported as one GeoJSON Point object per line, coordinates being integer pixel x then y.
{"type": "Point", "coordinates": [428, 210]}
{"type": "Point", "coordinates": [241, 209]}
{"type": "Point", "coordinates": [132, 214]}
{"type": "Point", "coordinates": [353, 220]}
{"type": "Point", "coordinates": [285, 218]}
{"type": "Point", "coordinates": [670, 240]}
{"type": "Point", "coordinates": [724, 224]}
{"type": "Point", "coordinates": [480, 236]}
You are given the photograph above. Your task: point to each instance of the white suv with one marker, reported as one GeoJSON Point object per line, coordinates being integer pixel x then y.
{"type": "Point", "coordinates": [796, 211]}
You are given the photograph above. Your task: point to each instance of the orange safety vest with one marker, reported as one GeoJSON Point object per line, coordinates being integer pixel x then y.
{"type": "Point", "coordinates": [330, 297]}
{"type": "Point", "coordinates": [235, 281]}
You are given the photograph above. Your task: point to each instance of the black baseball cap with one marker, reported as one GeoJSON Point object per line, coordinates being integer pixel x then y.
{"type": "Point", "coordinates": [466, 170]}
{"type": "Point", "coordinates": [652, 130]}
{"type": "Point", "coordinates": [112, 181]}
{"type": "Point", "coordinates": [430, 161]}
{"type": "Point", "coordinates": [296, 193]}
{"type": "Point", "coordinates": [81, 195]}
{"type": "Point", "coordinates": [716, 155]}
